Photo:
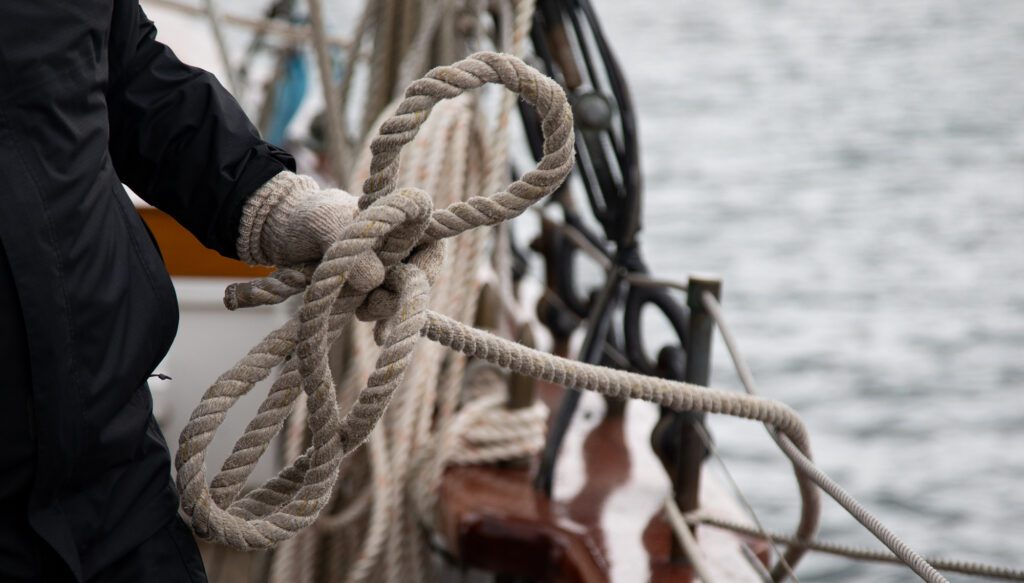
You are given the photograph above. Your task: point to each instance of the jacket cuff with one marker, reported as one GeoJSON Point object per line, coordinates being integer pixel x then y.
{"type": "Point", "coordinates": [280, 192]}
{"type": "Point", "coordinates": [261, 164]}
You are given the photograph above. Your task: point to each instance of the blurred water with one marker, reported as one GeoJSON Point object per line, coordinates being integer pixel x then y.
{"type": "Point", "coordinates": [855, 171]}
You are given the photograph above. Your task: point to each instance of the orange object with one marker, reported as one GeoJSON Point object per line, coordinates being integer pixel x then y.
{"type": "Point", "coordinates": [184, 255]}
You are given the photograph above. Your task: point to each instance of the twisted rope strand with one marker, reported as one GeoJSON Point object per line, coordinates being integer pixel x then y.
{"type": "Point", "coordinates": [363, 274]}
{"type": "Point", "coordinates": [380, 269]}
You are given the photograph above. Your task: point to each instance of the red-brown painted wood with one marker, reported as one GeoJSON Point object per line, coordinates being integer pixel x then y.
{"type": "Point", "coordinates": [611, 529]}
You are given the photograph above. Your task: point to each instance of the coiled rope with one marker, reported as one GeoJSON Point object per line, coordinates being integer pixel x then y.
{"type": "Point", "coordinates": [380, 270]}
{"type": "Point", "coordinates": [374, 273]}
{"type": "Point", "coordinates": [443, 412]}
{"type": "Point", "coordinates": [379, 524]}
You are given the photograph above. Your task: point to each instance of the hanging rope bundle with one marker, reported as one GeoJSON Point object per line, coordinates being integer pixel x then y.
{"type": "Point", "coordinates": [380, 270]}
{"type": "Point", "coordinates": [380, 522]}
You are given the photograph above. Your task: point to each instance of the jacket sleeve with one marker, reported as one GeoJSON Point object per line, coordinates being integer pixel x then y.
{"type": "Point", "coordinates": [178, 138]}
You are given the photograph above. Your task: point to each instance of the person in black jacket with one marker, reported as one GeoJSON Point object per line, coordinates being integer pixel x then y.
{"type": "Point", "coordinates": [89, 99]}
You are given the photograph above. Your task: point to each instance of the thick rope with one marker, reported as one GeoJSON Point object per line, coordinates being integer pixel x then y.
{"type": "Point", "coordinates": [399, 548]}
{"type": "Point", "coordinates": [385, 495]}
{"type": "Point", "coordinates": [614, 383]}
{"type": "Point", "coordinates": [363, 274]}
{"type": "Point", "coordinates": [415, 461]}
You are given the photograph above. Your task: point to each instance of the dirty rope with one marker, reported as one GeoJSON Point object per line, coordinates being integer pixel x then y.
{"type": "Point", "coordinates": [380, 270]}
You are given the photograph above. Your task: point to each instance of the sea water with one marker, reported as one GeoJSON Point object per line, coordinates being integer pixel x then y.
{"type": "Point", "coordinates": [854, 170]}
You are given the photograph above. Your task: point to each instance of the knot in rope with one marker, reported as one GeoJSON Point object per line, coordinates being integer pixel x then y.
{"type": "Point", "coordinates": [380, 269]}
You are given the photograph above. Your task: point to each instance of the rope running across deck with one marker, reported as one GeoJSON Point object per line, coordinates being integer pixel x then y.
{"type": "Point", "coordinates": [381, 269]}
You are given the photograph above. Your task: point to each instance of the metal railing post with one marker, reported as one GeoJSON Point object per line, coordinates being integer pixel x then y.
{"type": "Point", "coordinates": [676, 439]}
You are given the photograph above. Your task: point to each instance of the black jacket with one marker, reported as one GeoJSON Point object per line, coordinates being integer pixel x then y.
{"type": "Point", "coordinates": [88, 100]}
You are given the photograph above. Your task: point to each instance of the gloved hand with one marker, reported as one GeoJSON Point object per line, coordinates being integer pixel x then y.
{"type": "Point", "coordinates": [290, 220]}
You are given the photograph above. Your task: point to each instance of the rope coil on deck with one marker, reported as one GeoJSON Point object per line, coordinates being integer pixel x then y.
{"type": "Point", "coordinates": [381, 269]}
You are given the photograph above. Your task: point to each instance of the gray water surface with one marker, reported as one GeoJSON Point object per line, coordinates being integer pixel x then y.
{"type": "Point", "coordinates": [854, 170]}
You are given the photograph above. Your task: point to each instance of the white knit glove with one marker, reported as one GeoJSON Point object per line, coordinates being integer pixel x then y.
{"type": "Point", "coordinates": [290, 220]}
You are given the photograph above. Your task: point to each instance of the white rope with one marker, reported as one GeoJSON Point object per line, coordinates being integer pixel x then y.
{"type": "Point", "coordinates": [411, 491]}
{"type": "Point", "coordinates": [406, 461]}
{"type": "Point", "coordinates": [373, 273]}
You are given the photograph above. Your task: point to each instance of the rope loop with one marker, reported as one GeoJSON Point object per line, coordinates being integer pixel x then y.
{"type": "Point", "coordinates": [449, 82]}
{"type": "Point", "coordinates": [379, 269]}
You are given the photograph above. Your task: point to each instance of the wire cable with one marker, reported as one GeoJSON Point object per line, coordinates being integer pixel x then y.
{"type": "Point", "coordinates": [763, 534]}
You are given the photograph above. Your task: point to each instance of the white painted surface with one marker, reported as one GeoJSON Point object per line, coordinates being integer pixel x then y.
{"type": "Point", "coordinates": [210, 340]}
